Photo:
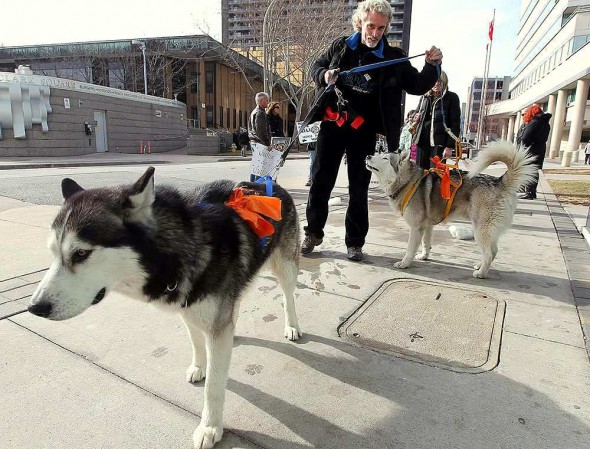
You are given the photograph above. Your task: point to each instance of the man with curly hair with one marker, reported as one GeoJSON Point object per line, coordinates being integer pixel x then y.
{"type": "Point", "coordinates": [373, 105]}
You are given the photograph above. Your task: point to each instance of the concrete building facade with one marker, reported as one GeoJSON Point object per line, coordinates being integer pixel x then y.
{"type": "Point", "coordinates": [49, 116]}
{"type": "Point", "coordinates": [552, 68]}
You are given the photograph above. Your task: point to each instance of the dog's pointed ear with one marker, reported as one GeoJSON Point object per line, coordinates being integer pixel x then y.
{"type": "Point", "coordinates": [69, 187]}
{"type": "Point", "coordinates": [142, 196]}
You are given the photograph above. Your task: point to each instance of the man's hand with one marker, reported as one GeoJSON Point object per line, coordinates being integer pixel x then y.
{"type": "Point", "coordinates": [331, 76]}
{"type": "Point", "coordinates": [434, 56]}
{"type": "Point", "coordinates": [447, 153]}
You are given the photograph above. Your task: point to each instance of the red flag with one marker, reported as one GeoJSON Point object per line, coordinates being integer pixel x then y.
{"type": "Point", "coordinates": [491, 30]}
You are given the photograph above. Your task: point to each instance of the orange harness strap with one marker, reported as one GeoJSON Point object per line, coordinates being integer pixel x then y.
{"type": "Point", "coordinates": [448, 187]}
{"type": "Point", "coordinates": [252, 207]}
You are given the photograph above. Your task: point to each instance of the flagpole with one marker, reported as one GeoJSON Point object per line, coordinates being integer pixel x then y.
{"type": "Point", "coordinates": [482, 103]}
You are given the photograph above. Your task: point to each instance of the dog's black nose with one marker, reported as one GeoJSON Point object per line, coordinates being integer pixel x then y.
{"type": "Point", "coordinates": [42, 309]}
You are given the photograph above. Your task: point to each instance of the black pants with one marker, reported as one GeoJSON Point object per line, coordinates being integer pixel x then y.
{"type": "Point", "coordinates": [333, 142]}
{"type": "Point", "coordinates": [425, 152]}
{"type": "Point", "coordinates": [531, 188]}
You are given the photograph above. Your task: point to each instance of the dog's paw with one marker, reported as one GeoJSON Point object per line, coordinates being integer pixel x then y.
{"type": "Point", "coordinates": [205, 437]}
{"type": "Point", "coordinates": [401, 264]}
{"type": "Point", "coordinates": [292, 333]}
{"type": "Point", "coordinates": [195, 374]}
{"type": "Point", "coordinates": [480, 274]}
{"type": "Point", "coordinates": [423, 256]}
{"type": "Point", "coordinates": [476, 266]}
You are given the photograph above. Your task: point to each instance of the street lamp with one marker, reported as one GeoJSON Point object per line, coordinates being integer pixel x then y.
{"type": "Point", "coordinates": [142, 46]}
{"type": "Point", "coordinates": [264, 51]}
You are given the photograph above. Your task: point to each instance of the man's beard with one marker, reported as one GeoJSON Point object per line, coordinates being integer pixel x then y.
{"type": "Point", "coordinates": [371, 44]}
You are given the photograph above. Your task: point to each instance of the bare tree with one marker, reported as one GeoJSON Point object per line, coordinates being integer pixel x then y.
{"type": "Point", "coordinates": [298, 33]}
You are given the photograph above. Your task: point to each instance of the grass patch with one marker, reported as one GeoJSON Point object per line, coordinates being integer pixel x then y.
{"type": "Point", "coordinates": [570, 171]}
{"type": "Point", "coordinates": [571, 192]}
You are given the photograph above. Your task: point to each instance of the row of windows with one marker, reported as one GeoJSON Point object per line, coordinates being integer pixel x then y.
{"type": "Point", "coordinates": [534, 27]}
{"type": "Point", "coordinates": [548, 65]}
{"type": "Point", "coordinates": [226, 118]}
{"type": "Point", "coordinates": [491, 84]}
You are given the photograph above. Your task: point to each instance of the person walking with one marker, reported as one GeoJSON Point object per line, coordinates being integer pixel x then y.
{"type": "Point", "coordinates": [440, 112]}
{"type": "Point", "coordinates": [275, 121]}
{"type": "Point", "coordinates": [372, 105]}
{"type": "Point", "coordinates": [587, 153]}
{"type": "Point", "coordinates": [534, 137]}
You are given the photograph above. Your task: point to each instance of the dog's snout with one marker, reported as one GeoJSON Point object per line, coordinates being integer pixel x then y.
{"type": "Point", "coordinates": [41, 308]}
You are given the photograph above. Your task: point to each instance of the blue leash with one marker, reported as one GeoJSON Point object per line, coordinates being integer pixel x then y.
{"type": "Point", "coordinates": [267, 180]}
{"type": "Point", "coordinates": [378, 65]}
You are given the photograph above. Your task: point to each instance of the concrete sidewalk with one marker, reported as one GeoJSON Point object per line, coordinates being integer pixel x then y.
{"type": "Point", "coordinates": [113, 377]}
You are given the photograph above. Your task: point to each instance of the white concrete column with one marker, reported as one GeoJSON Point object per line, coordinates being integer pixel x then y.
{"type": "Point", "coordinates": [558, 121]}
{"type": "Point", "coordinates": [510, 136]}
{"type": "Point", "coordinates": [517, 124]}
{"type": "Point", "coordinates": [551, 110]}
{"type": "Point", "coordinates": [504, 129]}
{"type": "Point", "coordinates": [573, 141]}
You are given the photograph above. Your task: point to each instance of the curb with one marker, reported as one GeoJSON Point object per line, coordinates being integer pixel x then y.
{"type": "Point", "coordinates": [77, 164]}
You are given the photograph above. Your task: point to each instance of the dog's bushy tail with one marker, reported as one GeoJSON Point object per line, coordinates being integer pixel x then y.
{"type": "Point", "coordinates": [521, 169]}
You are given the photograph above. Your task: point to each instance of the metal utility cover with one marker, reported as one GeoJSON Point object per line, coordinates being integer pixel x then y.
{"type": "Point", "coordinates": [448, 327]}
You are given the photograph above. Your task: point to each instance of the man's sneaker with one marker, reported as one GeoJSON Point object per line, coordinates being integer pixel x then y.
{"type": "Point", "coordinates": [355, 253]}
{"type": "Point", "coordinates": [308, 183]}
{"type": "Point", "coordinates": [309, 243]}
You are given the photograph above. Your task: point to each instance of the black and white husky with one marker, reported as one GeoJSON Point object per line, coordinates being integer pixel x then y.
{"type": "Point", "coordinates": [487, 201]}
{"type": "Point", "coordinates": [186, 251]}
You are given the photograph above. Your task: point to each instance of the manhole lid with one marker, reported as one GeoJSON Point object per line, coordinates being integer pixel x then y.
{"type": "Point", "coordinates": [448, 327]}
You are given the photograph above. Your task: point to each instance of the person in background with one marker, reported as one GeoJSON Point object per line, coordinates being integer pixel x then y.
{"type": "Point", "coordinates": [373, 105]}
{"type": "Point", "coordinates": [534, 137]}
{"type": "Point", "coordinates": [311, 153]}
{"type": "Point", "coordinates": [244, 141]}
{"type": "Point", "coordinates": [587, 153]}
{"type": "Point", "coordinates": [432, 137]}
{"type": "Point", "coordinates": [258, 129]}
{"type": "Point", "coordinates": [408, 131]}
{"type": "Point", "coordinates": [275, 122]}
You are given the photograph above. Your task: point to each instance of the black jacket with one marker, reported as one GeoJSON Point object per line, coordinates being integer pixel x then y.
{"type": "Point", "coordinates": [432, 120]}
{"type": "Point", "coordinates": [275, 123]}
{"type": "Point", "coordinates": [535, 133]}
{"type": "Point", "coordinates": [389, 81]}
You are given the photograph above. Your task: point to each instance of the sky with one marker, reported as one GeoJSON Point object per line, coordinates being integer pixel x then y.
{"type": "Point", "coordinates": [458, 27]}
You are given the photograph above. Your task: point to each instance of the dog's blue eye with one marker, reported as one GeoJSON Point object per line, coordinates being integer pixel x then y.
{"type": "Point", "coordinates": [80, 255]}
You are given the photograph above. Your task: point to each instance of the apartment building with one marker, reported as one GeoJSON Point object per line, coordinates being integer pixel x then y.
{"type": "Point", "coordinates": [241, 20]}
{"type": "Point", "coordinates": [496, 90]}
{"type": "Point", "coordinates": [552, 68]}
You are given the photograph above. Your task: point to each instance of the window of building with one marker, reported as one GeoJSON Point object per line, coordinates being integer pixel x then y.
{"type": "Point", "coordinates": [234, 117]}
{"type": "Point", "coordinates": [240, 123]}
{"type": "Point", "coordinates": [209, 79]}
{"type": "Point", "coordinates": [194, 82]}
{"type": "Point", "coordinates": [210, 117]}
{"type": "Point", "coordinates": [221, 117]}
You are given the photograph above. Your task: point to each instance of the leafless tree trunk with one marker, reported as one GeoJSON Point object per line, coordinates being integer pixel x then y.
{"type": "Point", "coordinates": [298, 33]}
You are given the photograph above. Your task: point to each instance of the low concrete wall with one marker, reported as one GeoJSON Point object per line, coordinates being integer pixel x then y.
{"type": "Point", "coordinates": [130, 118]}
{"type": "Point", "coordinates": [202, 141]}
